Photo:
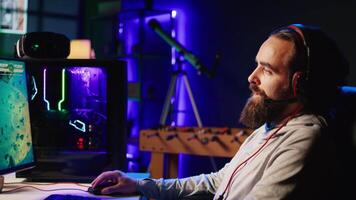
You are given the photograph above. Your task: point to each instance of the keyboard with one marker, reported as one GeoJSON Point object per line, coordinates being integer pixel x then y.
{"type": "Point", "coordinates": [70, 197]}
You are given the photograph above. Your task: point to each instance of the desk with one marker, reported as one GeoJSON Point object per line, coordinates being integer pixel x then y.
{"type": "Point", "coordinates": [29, 193]}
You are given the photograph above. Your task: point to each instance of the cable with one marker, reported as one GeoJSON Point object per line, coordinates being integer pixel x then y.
{"type": "Point", "coordinates": [43, 190]}
{"type": "Point", "coordinates": [28, 183]}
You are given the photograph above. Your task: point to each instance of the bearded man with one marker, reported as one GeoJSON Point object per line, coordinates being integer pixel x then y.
{"type": "Point", "coordinates": [287, 156]}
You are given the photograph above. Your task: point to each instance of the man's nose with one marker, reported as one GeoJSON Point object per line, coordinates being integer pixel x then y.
{"type": "Point", "coordinates": [253, 78]}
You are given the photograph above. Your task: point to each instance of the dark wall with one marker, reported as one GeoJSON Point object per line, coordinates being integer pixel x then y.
{"type": "Point", "coordinates": [237, 29]}
{"type": "Point", "coordinates": [57, 16]}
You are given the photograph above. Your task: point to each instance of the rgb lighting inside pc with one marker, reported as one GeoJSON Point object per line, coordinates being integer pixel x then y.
{"type": "Point", "coordinates": [73, 99]}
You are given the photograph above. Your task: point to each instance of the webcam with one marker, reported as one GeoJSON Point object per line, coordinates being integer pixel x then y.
{"type": "Point", "coordinates": [42, 45]}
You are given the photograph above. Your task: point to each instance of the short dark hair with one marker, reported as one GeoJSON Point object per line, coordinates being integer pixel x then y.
{"type": "Point", "coordinates": [324, 65]}
{"type": "Point", "coordinates": [299, 59]}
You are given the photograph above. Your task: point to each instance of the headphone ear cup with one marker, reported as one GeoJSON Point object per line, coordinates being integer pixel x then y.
{"type": "Point", "coordinates": [298, 84]}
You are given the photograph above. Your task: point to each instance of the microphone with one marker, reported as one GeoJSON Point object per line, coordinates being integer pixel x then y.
{"type": "Point", "coordinates": [188, 56]}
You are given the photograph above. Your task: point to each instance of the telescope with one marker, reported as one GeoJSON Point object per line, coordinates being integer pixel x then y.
{"type": "Point", "coordinates": [188, 56]}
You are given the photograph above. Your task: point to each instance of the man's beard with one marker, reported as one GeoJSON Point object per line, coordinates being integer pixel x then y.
{"type": "Point", "coordinates": [258, 111]}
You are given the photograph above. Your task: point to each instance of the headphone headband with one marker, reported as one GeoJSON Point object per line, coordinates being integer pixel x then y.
{"type": "Point", "coordinates": [297, 28]}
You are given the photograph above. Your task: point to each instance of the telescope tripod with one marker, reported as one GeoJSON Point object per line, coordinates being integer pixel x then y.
{"type": "Point", "coordinates": [171, 90]}
{"type": "Point", "coordinates": [167, 105]}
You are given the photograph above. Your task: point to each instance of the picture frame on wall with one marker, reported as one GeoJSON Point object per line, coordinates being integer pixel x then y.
{"type": "Point", "coordinates": [13, 16]}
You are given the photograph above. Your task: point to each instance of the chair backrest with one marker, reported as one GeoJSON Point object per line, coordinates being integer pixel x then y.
{"type": "Point", "coordinates": [345, 118]}
{"type": "Point", "coordinates": [344, 136]}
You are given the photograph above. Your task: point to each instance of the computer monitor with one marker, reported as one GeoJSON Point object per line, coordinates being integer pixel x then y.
{"type": "Point", "coordinates": [78, 114]}
{"type": "Point", "coordinates": [16, 150]}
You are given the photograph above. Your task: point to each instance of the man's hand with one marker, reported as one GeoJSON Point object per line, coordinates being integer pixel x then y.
{"type": "Point", "coordinates": [121, 182]}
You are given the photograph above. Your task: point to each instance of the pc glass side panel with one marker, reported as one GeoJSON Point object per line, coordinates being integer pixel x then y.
{"type": "Point", "coordinates": [78, 110]}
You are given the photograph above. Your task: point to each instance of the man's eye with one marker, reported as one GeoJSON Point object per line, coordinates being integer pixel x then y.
{"type": "Point", "coordinates": [267, 71]}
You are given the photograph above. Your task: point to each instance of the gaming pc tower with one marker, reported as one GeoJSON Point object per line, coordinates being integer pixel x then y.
{"type": "Point", "coordinates": [78, 118]}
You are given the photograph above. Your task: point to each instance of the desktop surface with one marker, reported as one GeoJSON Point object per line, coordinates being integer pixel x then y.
{"type": "Point", "coordinates": [28, 191]}
{"type": "Point", "coordinates": [70, 197]}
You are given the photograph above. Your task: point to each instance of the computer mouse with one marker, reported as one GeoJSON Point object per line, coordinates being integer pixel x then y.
{"type": "Point", "coordinates": [97, 189]}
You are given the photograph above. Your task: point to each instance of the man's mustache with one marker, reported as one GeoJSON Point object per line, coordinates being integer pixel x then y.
{"type": "Point", "coordinates": [254, 88]}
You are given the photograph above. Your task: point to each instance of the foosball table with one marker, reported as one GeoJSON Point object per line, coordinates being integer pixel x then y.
{"type": "Point", "coordinates": [171, 141]}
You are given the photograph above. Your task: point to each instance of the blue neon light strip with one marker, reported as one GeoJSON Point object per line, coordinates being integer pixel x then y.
{"type": "Point", "coordinates": [174, 14]}
{"type": "Point", "coordinates": [35, 87]}
{"type": "Point", "coordinates": [74, 124]}
{"type": "Point", "coordinates": [63, 91]}
{"type": "Point", "coordinates": [173, 34]}
{"type": "Point", "coordinates": [44, 89]}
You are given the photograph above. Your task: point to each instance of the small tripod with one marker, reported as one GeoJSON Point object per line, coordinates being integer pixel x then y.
{"type": "Point", "coordinates": [171, 89]}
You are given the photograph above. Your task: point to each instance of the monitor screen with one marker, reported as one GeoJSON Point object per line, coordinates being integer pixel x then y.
{"type": "Point", "coordinates": [16, 150]}
{"type": "Point", "coordinates": [78, 115]}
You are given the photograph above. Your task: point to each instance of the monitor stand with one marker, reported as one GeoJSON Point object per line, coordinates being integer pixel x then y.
{"type": "Point", "coordinates": [1, 183]}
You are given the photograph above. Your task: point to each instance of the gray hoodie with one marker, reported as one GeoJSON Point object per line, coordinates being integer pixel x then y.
{"type": "Point", "coordinates": [273, 173]}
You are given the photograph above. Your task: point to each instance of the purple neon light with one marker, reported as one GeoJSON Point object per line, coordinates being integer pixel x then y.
{"type": "Point", "coordinates": [133, 107]}
{"type": "Point", "coordinates": [174, 13]}
{"type": "Point", "coordinates": [121, 28]}
{"type": "Point", "coordinates": [182, 98]}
